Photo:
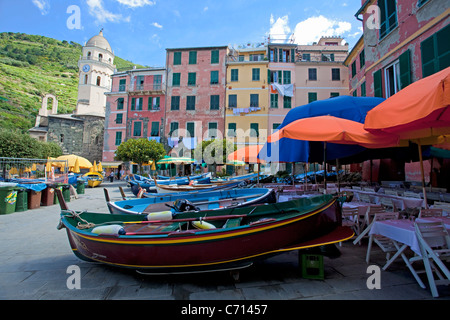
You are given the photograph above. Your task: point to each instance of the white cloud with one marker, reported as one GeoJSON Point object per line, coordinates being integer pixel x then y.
{"type": "Point", "coordinates": [311, 29]}
{"type": "Point", "coordinates": [42, 5]}
{"type": "Point", "coordinates": [102, 15]}
{"type": "Point", "coordinates": [205, 9]}
{"type": "Point", "coordinates": [157, 25]}
{"type": "Point", "coordinates": [279, 29]}
{"type": "Point", "coordinates": [136, 3]}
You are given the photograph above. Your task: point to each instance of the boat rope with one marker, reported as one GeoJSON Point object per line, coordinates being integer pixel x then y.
{"type": "Point", "coordinates": [76, 215]}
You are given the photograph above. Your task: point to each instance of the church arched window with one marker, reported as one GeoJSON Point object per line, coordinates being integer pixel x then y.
{"type": "Point", "coordinates": [100, 57]}
{"type": "Point", "coordinates": [85, 79]}
{"type": "Point", "coordinates": [99, 80]}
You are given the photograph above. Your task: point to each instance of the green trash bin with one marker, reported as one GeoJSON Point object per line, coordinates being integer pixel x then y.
{"type": "Point", "coordinates": [66, 192]}
{"type": "Point", "coordinates": [8, 199]}
{"type": "Point", "coordinates": [80, 187]}
{"type": "Point", "coordinates": [22, 200]}
{"type": "Point", "coordinates": [55, 197]}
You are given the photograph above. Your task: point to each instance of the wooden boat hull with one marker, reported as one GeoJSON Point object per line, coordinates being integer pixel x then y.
{"type": "Point", "coordinates": [209, 249]}
{"type": "Point", "coordinates": [94, 183]}
{"type": "Point", "coordinates": [213, 200]}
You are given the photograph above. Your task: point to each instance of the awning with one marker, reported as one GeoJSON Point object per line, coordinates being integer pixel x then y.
{"type": "Point", "coordinates": [111, 164]}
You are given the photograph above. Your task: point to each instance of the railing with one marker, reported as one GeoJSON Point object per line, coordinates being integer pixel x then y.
{"type": "Point", "coordinates": [104, 60]}
{"type": "Point", "coordinates": [146, 87]}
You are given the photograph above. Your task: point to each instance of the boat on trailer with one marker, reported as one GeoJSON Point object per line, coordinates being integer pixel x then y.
{"type": "Point", "coordinates": [191, 201]}
{"type": "Point", "coordinates": [216, 240]}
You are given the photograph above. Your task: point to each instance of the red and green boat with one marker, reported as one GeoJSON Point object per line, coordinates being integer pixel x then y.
{"type": "Point", "coordinates": [206, 240]}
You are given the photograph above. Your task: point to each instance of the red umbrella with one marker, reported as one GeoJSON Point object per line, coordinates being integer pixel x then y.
{"type": "Point", "coordinates": [247, 154]}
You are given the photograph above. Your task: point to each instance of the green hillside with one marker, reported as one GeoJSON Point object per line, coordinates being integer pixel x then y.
{"type": "Point", "coordinates": [32, 66]}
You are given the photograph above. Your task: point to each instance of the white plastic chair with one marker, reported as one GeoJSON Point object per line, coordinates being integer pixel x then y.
{"type": "Point", "coordinates": [350, 218]}
{"type": "Point", "coordinates": [388, 203]}
{"type": "Point", "coordinates": [434, 244]}
{"type": "Point", "coordinates": [386, 244]}
{"type": "Point", "coordinates": [366, 224]}
{"type": "Point", "coordinates": [433, 212]}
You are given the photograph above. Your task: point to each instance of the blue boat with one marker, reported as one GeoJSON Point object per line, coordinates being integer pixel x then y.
{"type": "Point", "coordinates": [192, 201]}
{"type": "Point", "coordinates": [140, 182]}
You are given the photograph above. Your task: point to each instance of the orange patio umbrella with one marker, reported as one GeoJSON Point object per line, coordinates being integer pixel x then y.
{"type": "Point", "coordinates": [247, 154]}
{"type": "Point", "coordinates": [418, 113]}
{"type": "Point", "coordinates": [334, 130]}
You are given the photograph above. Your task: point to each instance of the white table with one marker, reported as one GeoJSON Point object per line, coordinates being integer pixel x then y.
{"type": "Point", "coordinates": [403, 234]}
{"type": "Point", "coordinates": [399, 201]}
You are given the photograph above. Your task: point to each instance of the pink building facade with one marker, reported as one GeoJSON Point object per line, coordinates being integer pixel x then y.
{"type": "Point", "coordinates": [195, 97]}
{"type": "Point", "coordinates": [134, 108]}
{"type": "Point", "coordinates": [409, 42]}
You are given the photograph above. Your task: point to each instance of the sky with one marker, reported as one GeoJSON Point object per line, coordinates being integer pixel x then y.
{"type": "Point", "coordinates": [141, 30]}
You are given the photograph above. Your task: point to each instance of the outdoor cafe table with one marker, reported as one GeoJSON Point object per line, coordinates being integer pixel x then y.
{"type": "Point", "coordinates": [403, 234]}
{"type": "Point", "coordinates": [399, 201]}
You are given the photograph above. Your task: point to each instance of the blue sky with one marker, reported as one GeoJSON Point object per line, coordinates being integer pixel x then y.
{"type": "Point", "coordinates": [141, 30]}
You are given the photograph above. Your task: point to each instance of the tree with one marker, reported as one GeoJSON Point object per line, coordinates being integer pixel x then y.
{"type": "Point", "coordinates": [18, 145]}
{"type": "Point", "coordinates": [140, 151]}
{"type": "Point", "coordinates": [214, 152]}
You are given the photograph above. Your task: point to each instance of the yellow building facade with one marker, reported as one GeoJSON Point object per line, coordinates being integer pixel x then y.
{"type": "Point", "coordinates": [247, 96]}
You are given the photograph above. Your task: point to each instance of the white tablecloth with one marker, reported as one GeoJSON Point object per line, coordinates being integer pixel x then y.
{"type": "Point", "coordinates": [402, 230]}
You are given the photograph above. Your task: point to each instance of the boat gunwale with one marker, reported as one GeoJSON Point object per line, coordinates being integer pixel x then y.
{"type": "Point", "coordinates": [197, 235]}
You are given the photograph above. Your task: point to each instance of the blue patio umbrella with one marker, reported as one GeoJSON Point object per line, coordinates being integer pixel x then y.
{"type": "Point", "coordinates": [346, 107]}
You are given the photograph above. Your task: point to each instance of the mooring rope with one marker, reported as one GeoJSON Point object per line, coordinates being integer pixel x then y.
{"type": "Point", "coordinates": [76, 215]}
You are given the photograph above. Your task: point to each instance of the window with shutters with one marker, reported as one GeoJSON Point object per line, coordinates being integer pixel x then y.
{"type": "Point", "coordinates": [176, 77]}
{"type": "Point", "coordinates": [335, 74]}
{"type": "Point", "coordinates": [312, 96]}
{"type": "Point", "coordinates": [173, 128]}
{"type": "Point", "coordinates": [274, 100]}
{"type": "Point", "coordinates": [287, 102]}
{"type": "Point", "coordinates": [212, 130]}
{"type": "Point", "coordinates": [155, 129]}
{"type": "Point", "coordinates": [353, 69]}
{"type": "Point", "coordinates": [214, 56]}
{"type": "Point", "coordinates": [214, 102]}
{"type": "Point", "coordinates": [254, 130]}
{"type": "Point", "coordinates": [275, 127]}
{"type": "Point", "coordinates": [192, 78]}
{"type": "Point", "coordinates": [175, 103]}
{"type": "Point", "coordinates": [118, 138]}
{"type": "Point", "coordinates": [190, 103]}
{"type": "Point", "coordinates": [177, 58]}
{"type": "Point", "coordinates": [190, 128]}
{"type": "Point", "coordinates": [254, 100]}
{"type": "Point", "coordinates": [232, 101]}
{"type": "Point", "coordinates": [435, 52]}
{"type": "Point", "coordinates": [234, 75]}
{"type": "Point", "coordinates": [137, 129]}
{"type": "Point", "coordinates": [404, 61]}
{"type": "Point", "coordinates": [334, 94]}
{"type": "Point", "coordinates": [286, 77]}
{"type": "Point", "coordinates": [377, 84]}
{"type": "Point", "coordinates": [119, 117]}
{"type": "Point", "coordinates": [192, 57]}
{"type": "Point", "coordinates": [214, 77]}
{"type": "Point", "coordinates": [122, 84]}
{"type": "Point", "coordinates": [255, 74]}
{"type": "Point", "coordinates": [312, 74]}
{"type": "Point", "coordinates": [362, 59]}
{"type": "Point", "coordinates": [388, 16]}
{"type": "Point", "coordinates": [120, 103]}
{"type": "Point", "coordinates": [231, 129]}
{"type": "Point", "coordinates": [363, 89]}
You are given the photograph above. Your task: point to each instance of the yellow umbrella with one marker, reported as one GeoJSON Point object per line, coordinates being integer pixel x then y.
{"type": "Point", "coordinates": [71, 158]}
{"type": "Point", "coordinates": [153, 166]}
{"type": "Point", "coordinates": [99, 167]}
{"type": "Point", "coordinates": [76, 168]}
{"type": "Point", "coordinates": [33, 167]}
{"type": "Point", "coordinates": [13, 171]}
{"type": "Point", "coordinates": [48, 166]}
{"type": "Point", "coordinates": [95, 167]}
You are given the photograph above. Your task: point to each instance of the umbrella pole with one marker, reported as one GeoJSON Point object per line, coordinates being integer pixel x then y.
{"type": "Point", "coordinates": [293, 173]}
{"type": "Point", "coordinates": [325, 167]}
{"type": "Point", "coordinates": [423, 175]}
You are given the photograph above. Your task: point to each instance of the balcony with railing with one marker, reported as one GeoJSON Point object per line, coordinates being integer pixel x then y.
{"type": "Point", "coordinates": [140, 89]}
